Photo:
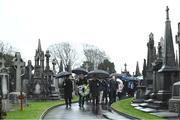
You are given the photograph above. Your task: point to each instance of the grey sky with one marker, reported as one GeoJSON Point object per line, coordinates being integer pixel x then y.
{"type": "Point", "coordinates": [120, 27]}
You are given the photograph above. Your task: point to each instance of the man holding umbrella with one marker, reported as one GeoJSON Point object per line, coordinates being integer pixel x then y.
{"type": "Point", "coordinates": [95, 83]}
{"type": "Point", "coordinates": [68, 89]}
{"type": "Point", "coordinates": [82, 82]}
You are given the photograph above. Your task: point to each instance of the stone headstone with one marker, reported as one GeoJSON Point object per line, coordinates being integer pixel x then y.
{"type": "Point", "coordinates": [4, 79]}
{"type": "Point", "coordinates": [174, 102]}
{"type": "Point", "coordinates": [19, 66]}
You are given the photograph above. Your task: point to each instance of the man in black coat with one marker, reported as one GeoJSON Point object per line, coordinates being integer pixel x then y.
{"type": "Point", "coordinates": [94, 90]}
{"type": "Point", "coordinates": [68, 89]}
{"type": "Point", "coordinates": [113, 85]}
{"type": "Point", "coordinates": [105, 90]}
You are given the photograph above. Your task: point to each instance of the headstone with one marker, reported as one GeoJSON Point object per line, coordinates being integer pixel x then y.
{"type": "Point", "coordinates": [4, 80]}
{"type": "Point", "coordinates": [19, 66]}
{"type": "Point", "coordinates": [174, 102]}
{"type": "Point", "coordinates": [4, 77]}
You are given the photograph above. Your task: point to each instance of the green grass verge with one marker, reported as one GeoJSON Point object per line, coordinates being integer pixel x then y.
{"type": "Point", "coordinates": [34, 110]}
{"type": "Point", "coordinates": [125, 107]}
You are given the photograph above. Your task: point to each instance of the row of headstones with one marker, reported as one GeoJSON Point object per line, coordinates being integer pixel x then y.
{"type": "Point", "coordinates": [10, 98]}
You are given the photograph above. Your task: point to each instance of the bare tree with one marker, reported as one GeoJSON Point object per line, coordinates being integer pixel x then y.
{"type": "Point", "coordinates": [64, 52]}
{"type": "Point", "coordinates": [94, 54]}
{"type": "Point", "coordinates": [6, 48]}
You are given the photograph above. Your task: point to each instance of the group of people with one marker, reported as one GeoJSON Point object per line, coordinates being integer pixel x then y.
{"type": "Point", "coordinates": [95, 90]}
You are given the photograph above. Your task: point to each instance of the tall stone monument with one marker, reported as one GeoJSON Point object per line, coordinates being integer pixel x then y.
{"type": "Point", "coordinates": [28, 79]}
{"type": "Point", "coordinates": [157, 64]}
{"type": "Point", "coordinates": [19, 66]}
{"type": "Point", "coordinates": [48, 76]}
{"type": "Point", "coordinates": [38, 78]}
{"type": "Point", "coordinates": [137, 72]}
{"type": "Point", "coordinates": [4, 80]}
{"type": "Point", "coordinates": [151, 56]}
{"type": "Point", "coordinates": [168, 71]}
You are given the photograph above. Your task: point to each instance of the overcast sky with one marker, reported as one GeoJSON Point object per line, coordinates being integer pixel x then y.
{"type": "Point", "coordinates": [120, 27]}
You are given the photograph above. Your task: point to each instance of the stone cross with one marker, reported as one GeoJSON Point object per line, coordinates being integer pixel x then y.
{"type": "Point", "coordinates": [54, 64]}
{"type": "Point", "coordinates": [19, 65]}
{"type": "Point", "coordinates": [47, 59]}
{"type": "Point", "coordinates": [167, 13]}
{"type": "Point", "coordinates": [87, 66]}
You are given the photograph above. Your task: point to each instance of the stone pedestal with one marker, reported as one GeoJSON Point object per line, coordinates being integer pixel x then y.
{"type": "Point", "coordinates": [6, 105]}
{"type": "Point", "coordinates": [174, 105]}
{"type": "Point", "coordinates": [139, 94]}
{"type": "Point", "coordinates": [174, 102]}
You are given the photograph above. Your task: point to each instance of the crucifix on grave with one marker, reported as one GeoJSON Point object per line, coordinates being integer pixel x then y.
{"type": "Point", "coordinates": [20, 69]}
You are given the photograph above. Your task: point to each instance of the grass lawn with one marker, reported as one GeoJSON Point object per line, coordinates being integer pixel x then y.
{"type": "Point", "coordinates": [125, 107]}
{"type": "Point", "coordinates": [34, 110]}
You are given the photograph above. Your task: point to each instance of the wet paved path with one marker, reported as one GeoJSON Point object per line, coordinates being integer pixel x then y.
{"type": "Point", "coordinates": [88, 113]}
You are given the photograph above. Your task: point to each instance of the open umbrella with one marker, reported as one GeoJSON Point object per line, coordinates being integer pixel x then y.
{"type": "Point", "coordinates": [79, 71]}
{"type": "Point", "coordinates": [98, 74]}
{"type": "Point", "coordinates": [63, 74]}
{"type": "Point", "coordinates": [116, 75]}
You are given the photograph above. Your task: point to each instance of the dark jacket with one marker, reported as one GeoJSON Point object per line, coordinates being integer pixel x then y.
{"type": "Point", "coordinates": [94, 88]}
{"type": "Point", "coordinates": [113, 85]}
{"type": "Point", "coordinates": [68, 88]}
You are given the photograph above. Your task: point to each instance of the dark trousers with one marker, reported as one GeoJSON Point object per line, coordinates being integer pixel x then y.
{"type": "Point", "coordinates": [105, 96]}
{"type": "Point", "coordinates": [68, 102]}
{"type": "Point", "coordinates": [112, 97]}
{"type": "Point", "coordinates": [95, 100]}
{"type": "Point", "coordinates": [81, 100]}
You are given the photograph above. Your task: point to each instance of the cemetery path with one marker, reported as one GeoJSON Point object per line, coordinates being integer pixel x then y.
{"type": "Point", "coordinates": [88, 113]}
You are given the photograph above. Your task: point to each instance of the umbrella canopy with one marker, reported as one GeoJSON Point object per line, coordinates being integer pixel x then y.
{"type": "Point", "coordinates": [79, 71]}
{"type": "Point", "coordinates": [116, 75]}
{"type": "Point", "coordinates": [63, 74]}
{"type": "Point", "coordinates": [98, 74]}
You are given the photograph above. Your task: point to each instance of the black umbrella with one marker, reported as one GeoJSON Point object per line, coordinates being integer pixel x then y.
{"type": "Point", "coordinates": [79, 71]}
{"type": "Point", "coordinates": [98, 74]}
{"type": "Point", "coordinates": [63, 74]}
{"type": "Point", "coordinates": [116, 75]}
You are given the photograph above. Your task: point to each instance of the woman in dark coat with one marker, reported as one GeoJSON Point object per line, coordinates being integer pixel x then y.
{"type": "Point", "coordinates": [68, 89]}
